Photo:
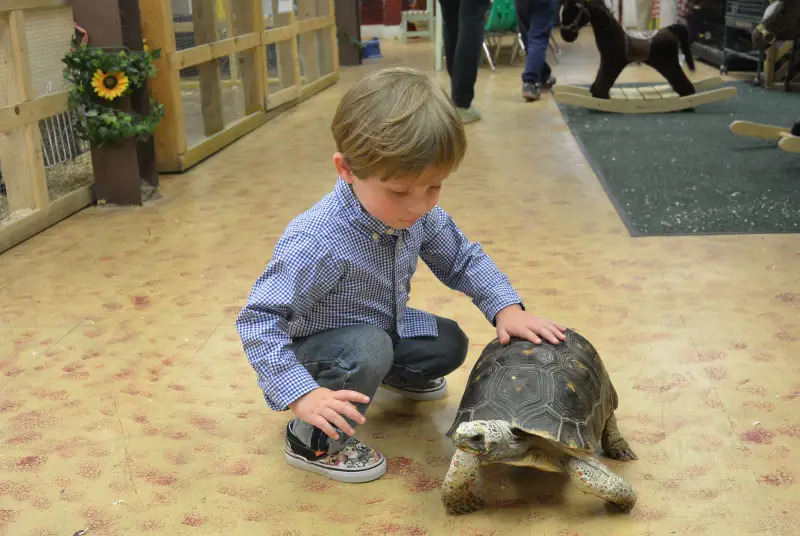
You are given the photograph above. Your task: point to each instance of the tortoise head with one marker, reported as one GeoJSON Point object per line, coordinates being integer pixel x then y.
{"type": "Point", "coordinates": [490, 439]}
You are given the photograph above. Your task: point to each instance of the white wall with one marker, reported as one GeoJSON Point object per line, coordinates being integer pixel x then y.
{"type": "Point", "coordinates": [628, 13]}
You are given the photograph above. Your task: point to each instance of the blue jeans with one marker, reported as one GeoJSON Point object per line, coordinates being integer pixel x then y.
{"type": "Point", "coordinates": [535, 20]}
{"type": "Point", "coordinates": [358, 358]}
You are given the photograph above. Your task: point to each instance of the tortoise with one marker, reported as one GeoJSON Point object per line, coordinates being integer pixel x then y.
{"type": "Point", "coordinates": [546, 406]}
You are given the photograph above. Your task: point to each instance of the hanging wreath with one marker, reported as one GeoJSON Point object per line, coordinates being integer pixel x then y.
{"type": "Point", "coordinates": [96, 77]}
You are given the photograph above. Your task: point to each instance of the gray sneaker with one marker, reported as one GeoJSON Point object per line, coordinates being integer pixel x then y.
{"type": "Point", "coordinates": [426, 390]}
{"type": "Point", "coordinates": [531, 91]}
{"type": "Point", "coordinates": [468, 115]}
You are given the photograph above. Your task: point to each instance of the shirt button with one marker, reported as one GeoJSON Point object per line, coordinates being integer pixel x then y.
{"type": "Point", "coordinates": [389, 231]}
{"type": "Point", "coordinates": [375, 237]}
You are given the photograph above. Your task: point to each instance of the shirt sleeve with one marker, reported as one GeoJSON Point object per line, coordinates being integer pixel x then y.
{"type": "Point", "coordinates": [464, 266]}
{"type": "Point", "coordinates": [301, 272]}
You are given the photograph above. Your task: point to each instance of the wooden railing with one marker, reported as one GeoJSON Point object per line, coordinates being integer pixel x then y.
{"type": "Point", "coordinates": [244, 40]}
{"type": "Point", "coordinates": [29, 207]}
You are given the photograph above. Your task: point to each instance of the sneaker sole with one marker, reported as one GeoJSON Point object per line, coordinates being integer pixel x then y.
{"type": "Point", "coordinates": [419, 395]}
{"type": "Point", "coordinates": [348, 476]}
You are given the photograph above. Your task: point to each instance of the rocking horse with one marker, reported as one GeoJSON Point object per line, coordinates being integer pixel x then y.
{"type": "Point", "coordinates": [781, 21]}
{"type": "Point", "coordinates": [618, 49]}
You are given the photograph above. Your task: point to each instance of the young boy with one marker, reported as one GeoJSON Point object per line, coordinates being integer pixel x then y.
{"type": "Point", "coordinates": [326, 324]}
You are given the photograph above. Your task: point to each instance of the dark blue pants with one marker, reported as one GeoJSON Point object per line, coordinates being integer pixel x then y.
{"type": "Point", "coordinates": [535, 19]}
{"type": "Point", "coordinates": [360, 357]}
{"type": "Point", "coordinates": [463, 22]}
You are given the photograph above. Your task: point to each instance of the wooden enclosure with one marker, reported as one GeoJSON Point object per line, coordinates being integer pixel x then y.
{"type": "Point", "coordinates": [227, 66]}
{"type": "Point", "coordinates": [46, 170]}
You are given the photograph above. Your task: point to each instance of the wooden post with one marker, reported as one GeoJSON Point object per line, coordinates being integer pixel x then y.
{"type": "Point", "coordinates": [25, 192]}
{"type": "Point", "coordinates": [140, 99]}
{"type": "Point", "coordinates": [210, 80]}
{"type": "Point", "coordinates": [348, 23]}
{"type": "Point", "coordinates": [118, 167]}
{"type": "Point", "coordinates": [170, 135]}
{"type": "Point", "coordinates": [308, 42]}
{"type": "Point", "coordinates": [247, 17]}
{"type": "Point", "coordinates": [287, 57]}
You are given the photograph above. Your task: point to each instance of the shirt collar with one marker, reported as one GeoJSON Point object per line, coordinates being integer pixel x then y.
{"type": "Point", "coordinates": [357, 214]}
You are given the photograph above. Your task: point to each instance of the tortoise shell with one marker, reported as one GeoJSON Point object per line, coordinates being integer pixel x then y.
{"type": "Point", "coordinates": [558, 391]}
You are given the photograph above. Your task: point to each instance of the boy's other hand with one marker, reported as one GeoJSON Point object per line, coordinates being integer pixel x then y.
{"type": "Point", "coordinates": [323, 407]}
{"type": "Point", "coordinates": [514, 322]}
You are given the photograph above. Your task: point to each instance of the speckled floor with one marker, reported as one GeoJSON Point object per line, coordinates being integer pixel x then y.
{"type": "Point", "coordinates": [128, 407]}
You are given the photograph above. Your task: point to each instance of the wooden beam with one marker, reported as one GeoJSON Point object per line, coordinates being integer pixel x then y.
{"type": "Point", "coordinates": [183, 27]}
{"type": "Point", "coordinates": [334, 37]}
{"type": "Point", "coordinates": [214, 143]}
{"type": "Point", "coordinates": [17, 231]}
{"type": "Point", "coordinates": [247, 16]}
{"type": "Point", "coordinates": [318, 85]}
{"type": "Point", "coordinates": [189, 57]}
{"type": "Point", "coordinates": [279, 34]}
{"type": "Point", "coordinates": [285, 47]}
{"type": "Point", "coordinates": [210, 89]}
{"type": "Point", "coordinates": [317, 23]}
{"type": "Point", "coordinates": [19, 5]}
{"type": "Point", "coordinates": [33, 111]}
{"type": "Point", "coordinates": [309, 50]}
{"type": "Point", "coordinates": [283, 96]}
{"type": "Point", "coordinates": [29, 190]}
{"type": "Point", "coordinates": [170, 136]}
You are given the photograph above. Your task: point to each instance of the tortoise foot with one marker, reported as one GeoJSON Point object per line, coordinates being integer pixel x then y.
{"type": "Point", "coordinates": [464, 505]}
{"type": "Point", "coordinates": [621, 451]}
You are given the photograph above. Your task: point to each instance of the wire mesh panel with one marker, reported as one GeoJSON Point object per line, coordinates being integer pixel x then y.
{"type": "Point", "coordinates": [66, 158]}
{"type": "Point", "coordinates": [232, 61]}
{"type": "Point", "coordinates": [324, 51]}
{"type": "Point", "coordinates": [49, 32]}
{"type": "Point", "coordinates": [275, 83]}
{"type": "Point", "coordinates": [16, 201]}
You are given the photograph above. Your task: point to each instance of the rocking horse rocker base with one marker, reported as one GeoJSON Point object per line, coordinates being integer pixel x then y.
{"type": "Point", "coordinates": [786, 140]}
{"type": "Point", "coordinates": [645, 99]}
{"type": "Point", "coordinates": [618, 49]}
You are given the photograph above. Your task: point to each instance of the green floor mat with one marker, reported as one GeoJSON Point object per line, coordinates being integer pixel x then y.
{"type": "Point", "coordinates": [687, 173]}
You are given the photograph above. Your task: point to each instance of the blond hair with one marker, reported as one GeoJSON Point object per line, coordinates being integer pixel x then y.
{"type": "Point", "coordinates": [395, 123]}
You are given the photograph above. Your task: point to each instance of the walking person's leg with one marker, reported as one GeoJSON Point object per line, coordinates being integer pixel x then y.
{"type": "Point", "coordinates": [537, 74]}
{"type": "Point", "coordinates": [467, 56]}
{"type": "Point", "coordinates": [449, 30]}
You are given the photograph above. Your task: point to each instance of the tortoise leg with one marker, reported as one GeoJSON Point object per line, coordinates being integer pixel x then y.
{"type": "Point", "coordinates": [614, 444]}
{"type": "Point", "coordinates": [457, 493]}
{"type": "Point", "coordinates": [595, 478]}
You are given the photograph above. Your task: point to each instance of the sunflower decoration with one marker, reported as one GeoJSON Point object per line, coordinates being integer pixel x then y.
{"type": "Point", "coordinates": [96, 78]}
{"type": "Point", "coordinates": [109, 85]}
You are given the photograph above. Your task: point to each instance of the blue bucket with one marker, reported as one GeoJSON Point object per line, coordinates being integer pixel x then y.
{"type": "Point", "coordinates": [372, 49]}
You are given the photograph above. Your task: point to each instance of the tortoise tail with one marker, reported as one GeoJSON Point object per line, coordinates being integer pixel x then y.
{"type": "Point", "coordinates": [682, 34]}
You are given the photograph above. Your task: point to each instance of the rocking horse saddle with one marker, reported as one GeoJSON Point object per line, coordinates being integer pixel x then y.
{"type": "Point", "coordinates": [637, 45]}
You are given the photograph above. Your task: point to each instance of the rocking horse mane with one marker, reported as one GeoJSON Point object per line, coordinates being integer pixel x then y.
{"type": "Point", "coordinates": [594, 12]}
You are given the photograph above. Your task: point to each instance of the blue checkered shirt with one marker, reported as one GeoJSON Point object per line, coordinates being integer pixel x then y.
{"type": "Point", "coordinates": [336, 265]}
